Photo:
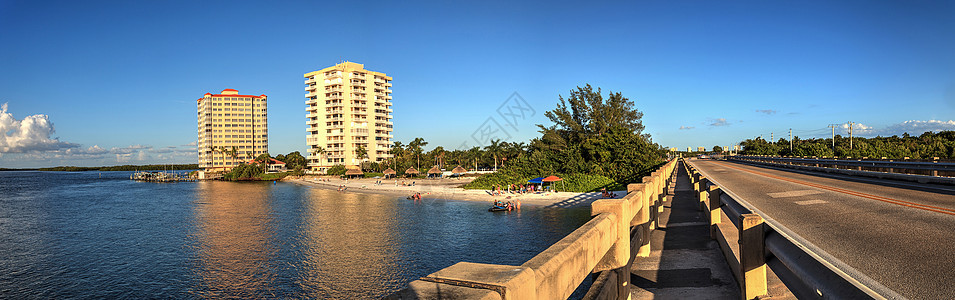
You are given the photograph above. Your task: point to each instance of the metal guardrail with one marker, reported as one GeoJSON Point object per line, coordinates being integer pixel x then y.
{"type": "Point", "coordinates": [807, 271]}
{"type": "Point", "coordinates": [892, 166]}
{"type": "Point", "coordinates": [922, 172]}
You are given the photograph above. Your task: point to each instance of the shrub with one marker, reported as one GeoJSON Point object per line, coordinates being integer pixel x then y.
{"type": "Point", "coordinates": [336, 170]}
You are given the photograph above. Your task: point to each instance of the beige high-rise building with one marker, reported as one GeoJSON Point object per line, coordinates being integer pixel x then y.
{"type": "Point", "coordinates": [229, 122]}
{"type": "Point", "coordinates": [348, 107]}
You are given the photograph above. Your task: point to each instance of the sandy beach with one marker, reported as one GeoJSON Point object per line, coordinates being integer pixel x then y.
{"type": "Point", "coordinates": [447, 188]}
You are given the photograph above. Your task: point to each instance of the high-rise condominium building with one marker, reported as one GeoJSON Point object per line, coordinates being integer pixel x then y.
{"type": "Point", "coordinates": [349, 108]}
{"type": "Point", "coordinates": [233, 129]}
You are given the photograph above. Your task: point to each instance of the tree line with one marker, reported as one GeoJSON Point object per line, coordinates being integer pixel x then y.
{"type": "Point", "coordinates": [928, 145]}
{"type": "Point", "coordinates": [125, 168]}
{"type": "Point", "coordinates": [594, 143]}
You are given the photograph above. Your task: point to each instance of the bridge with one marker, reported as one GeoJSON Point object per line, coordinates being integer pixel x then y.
{"type": "Point", "coordinates": [782, 231]}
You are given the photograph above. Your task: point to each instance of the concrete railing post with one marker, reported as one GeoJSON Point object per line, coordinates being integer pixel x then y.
{"type": "Point", "coordinates": [641, 219]}
{"type": "Point", "coordinates": [752, 257]}
{"type": "Point", "coordinates": [703, 192]}
{"type": "Point", "coordinates": [715, 213]}
{"type": "Point", "coordinates": [618, 258]}
{"type": "Point", "coordinates": [648, 194]}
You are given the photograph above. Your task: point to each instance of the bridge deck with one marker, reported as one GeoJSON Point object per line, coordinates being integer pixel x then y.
{"type": "Point", "coordinates": [685, 262]}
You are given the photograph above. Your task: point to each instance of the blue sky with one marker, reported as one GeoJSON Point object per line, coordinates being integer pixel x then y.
{"type": "Point", "coordinates": [102, 83]}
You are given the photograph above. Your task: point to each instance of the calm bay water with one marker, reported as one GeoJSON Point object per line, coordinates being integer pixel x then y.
{"type": "Point", "coordinates": [101, 235]}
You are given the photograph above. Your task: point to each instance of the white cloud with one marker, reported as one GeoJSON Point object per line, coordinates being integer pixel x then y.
{"type": "Point", "coordinates": [719, 122]}
{"type": "Point", "coordinates": [766, 111]}
{"type": "Point", "coordinates": [912, 127]}
{"type": "Point", "coordinates": [686, 127]}
{"type": "Point", "coordinates": [31, 134]}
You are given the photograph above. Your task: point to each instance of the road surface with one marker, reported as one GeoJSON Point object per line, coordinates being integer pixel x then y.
{"type": "Point", "coordinates": [903, 238]}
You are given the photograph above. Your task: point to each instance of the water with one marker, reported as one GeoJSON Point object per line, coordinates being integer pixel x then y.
{"type": "Point", "coordinates": [76, 235]}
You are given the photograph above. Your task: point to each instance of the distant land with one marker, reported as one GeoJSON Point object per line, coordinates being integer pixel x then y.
{"type": "Point", "coordinates": [113, 168]}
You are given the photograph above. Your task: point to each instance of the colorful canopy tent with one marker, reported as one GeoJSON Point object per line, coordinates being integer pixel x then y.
{"type": "Point", "coordinates": [458, 170]}
{"type": "Point", "coordinates": [389, 171]}
{"type": "Point", "coordinates": [551, 179]}
{"type": "Point", "coordinates": [537, 180]}
{"type": "Point", "coordinates": [434, 171]}
{"type": "Point", "coordinates": [412, 171]}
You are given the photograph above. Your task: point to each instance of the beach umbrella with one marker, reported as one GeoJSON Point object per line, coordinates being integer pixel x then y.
{"type": "Point", "coordinates": [412, 171]}
{"type": "Point", "coordinates": [458, 170]}
{"type": "Point", "coordinates": [389, 171]}
{"type": "Point", "coordinates": [434, 170]}
{"type": "Point", "coordinates": [353, 172]}
{"type": "Point", "coordinates": [551, 179]}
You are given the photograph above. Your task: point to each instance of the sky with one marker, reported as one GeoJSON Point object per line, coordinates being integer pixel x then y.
{"type": "Point", "coordinates": [91, 83]}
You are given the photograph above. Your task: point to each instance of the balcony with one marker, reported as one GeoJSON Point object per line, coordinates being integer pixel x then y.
{"type": "Point", "coordinates": [333, 75]}
{"type": "Point", "coordinates": [313, 122]}
{"type": "Point", "coordinates": [310, 81]}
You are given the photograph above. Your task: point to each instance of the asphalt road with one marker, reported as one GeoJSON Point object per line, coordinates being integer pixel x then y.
{"type": "Point", "coordinates": [903, 238]}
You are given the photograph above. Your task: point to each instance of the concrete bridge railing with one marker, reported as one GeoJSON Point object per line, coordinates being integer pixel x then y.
{"type": "Point", "coordinates": [605, 245]}
{"type": "Point", "coordinates": [752, 241]}
{"type": "Point", "coordinates": [918, 171]}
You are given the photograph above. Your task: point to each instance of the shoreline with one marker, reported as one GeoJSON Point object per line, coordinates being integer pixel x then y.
{"type": "Point", "coordinates": [449, 189]}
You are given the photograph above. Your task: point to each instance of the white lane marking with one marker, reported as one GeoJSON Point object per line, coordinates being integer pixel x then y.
{"type": "Point", "coordinates": [798, 193]}
{"type": "Point", "coordinates": [809, 202]}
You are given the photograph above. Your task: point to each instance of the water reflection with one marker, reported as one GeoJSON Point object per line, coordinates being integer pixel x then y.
{"type": "Point", "coordinates": [351, 237]}
{"type": "Point", "coordinates": [235, 241]}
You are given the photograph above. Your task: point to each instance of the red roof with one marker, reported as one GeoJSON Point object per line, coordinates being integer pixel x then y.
{"type": "Point", "coordinates": [232, 90]}
{"type": "Point", "coordinates": [274, 161]}
{"type": "Point", "coordinates": [224, 95]}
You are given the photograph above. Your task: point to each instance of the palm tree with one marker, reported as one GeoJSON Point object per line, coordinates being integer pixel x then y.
{"type": "Point", "coordinates": [234, 153]}
{"type": "Point", "coordinates": [212, 152]}
{"type": "Point", "coordinates": [396, 150]}
{"type": "Point", "coordinates": [475, 153]}
{"type": "Point", "coordinates": [362, 154]}
{"type": "Point", "coordinates": [321, 152]}
{"type": "Point", "coordinates": [416, 146]}
{"type": "Point", "coordinates": [494, 149]}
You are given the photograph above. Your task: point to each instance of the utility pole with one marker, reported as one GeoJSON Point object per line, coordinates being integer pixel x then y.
{"type": "Point", "coordinates": [772, 137]}
{"type": "Point", "coordinates": [790, 141]}
{"type": "Point", "coordinates": [833, 126]}
{"type": "Point", "coordinates": [850, 135]}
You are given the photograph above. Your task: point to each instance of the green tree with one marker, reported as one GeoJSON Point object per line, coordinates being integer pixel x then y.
{"type": "Point", "coordinates": [494, 150]}
{"type": "Point", "coordinates": [717, 149]}
{"type": "Point", "coordinates": [295, 161]}
{"type": "Point", "coordinates": [362, 154]}
{"type": "Point", "coordinates": [416, 147]}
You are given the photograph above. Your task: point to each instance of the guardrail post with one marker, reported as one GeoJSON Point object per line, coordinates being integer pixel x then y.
{"type": "Point", "coordinates": [641, 218]}
{"type": "Point", "coordinates": [650, 195]}
{"type": "Point", "coordinates": [617, 260]}
{"type": "Point", "coordinates": [715, 214]}
{"type": "Point", "coordinates": [752, 257]}
{"type": "Point", "coordinates": [703, 194]}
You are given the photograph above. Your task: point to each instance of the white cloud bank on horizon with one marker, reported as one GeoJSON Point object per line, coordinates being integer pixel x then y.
{"type": "Point", "coordinates": [33, 133]}
{"type": "Point", "coordinates": [30, 139]}
{"type": "Point", "coordinates": [912, 127]}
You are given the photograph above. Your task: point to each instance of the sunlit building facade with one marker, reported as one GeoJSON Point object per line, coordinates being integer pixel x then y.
{"type": "Point", "coordinates": [233, 129]}
{"type": "Point", "coordinates": [347, 108]}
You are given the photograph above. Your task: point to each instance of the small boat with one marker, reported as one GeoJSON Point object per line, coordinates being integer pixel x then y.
{"type": "Point", "coordinates": [501, 208]}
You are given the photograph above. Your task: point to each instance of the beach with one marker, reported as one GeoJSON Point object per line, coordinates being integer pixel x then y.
{"type": "Point", "coordinates": [446, 188]}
